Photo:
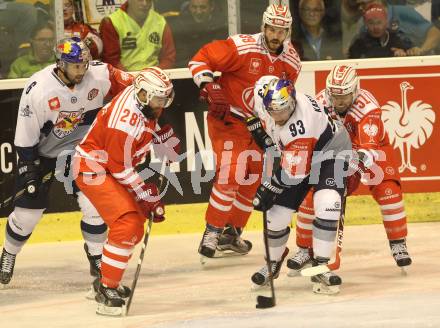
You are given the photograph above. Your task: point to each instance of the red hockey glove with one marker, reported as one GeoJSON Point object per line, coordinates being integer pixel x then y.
{"type": "Point", "coordinates": [218, 106]}
{"type": "Point", "coordinates": [148, 200]}
{"type": "Point", "coordinates": [166, 143]}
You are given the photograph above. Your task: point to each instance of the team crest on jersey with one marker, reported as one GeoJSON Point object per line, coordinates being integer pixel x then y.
{"type": "Point", "coordinates": [255, 65]}
{"type": "Point", "coordinates": [293, 160]}
{"type": "Point", "coordinates": [67, 122]}
{"type": "Point", "coordinates": [371, 131]}
{"type": "Point", "coordinates": [92, 94]}
{"type": "Point", "coordinates": [54, 103]}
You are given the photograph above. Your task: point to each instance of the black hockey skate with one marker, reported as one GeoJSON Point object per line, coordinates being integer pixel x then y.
{"type": "Point", "coordinates": [230, 241]}
{"type": "Point", "coordinates": [327, 283]}
{"type": "Point", "coordinates": [94, 261]}
{"type": "Point", "coordinates": [209, 242]}
{"type": "Point", "coordinates": [301, 259]}
{"type": "Point", "coordinates": [123, 291]}
{"type": "Point", "coordinates": [7, 263]}
{"type": "Point", "coordinates": [109, 301]}
{"type": "Point", "coordinates": [261, 277]}
{"type": "Point", "coordinates": [400, 252]}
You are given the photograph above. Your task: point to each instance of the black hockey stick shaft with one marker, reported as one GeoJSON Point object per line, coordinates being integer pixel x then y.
{"type": "Point", "coordinates": [146, 237]}
{"type": "Point", "coordinates": [262, 301]}
{"type": "Point", "coordinates": [21, 192]}
{"type": "Point", "coordinates": [268, 260]}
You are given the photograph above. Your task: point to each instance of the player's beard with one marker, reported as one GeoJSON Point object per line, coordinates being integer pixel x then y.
{"type": "Point", "coordinates": [341, 111]}
{"type": "Point", "coordinates": [274, 44]}
{"type": "Point", "coordinates": [150, 113]}
{"type": "Point", "coordinates": [70, 81]}
{"type": "Point", "coordinates": [77, 79]}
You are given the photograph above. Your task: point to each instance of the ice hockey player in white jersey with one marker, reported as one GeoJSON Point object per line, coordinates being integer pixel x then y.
{"type": "Point", "coordinates": [362, 115]}
{"type": "Point", "coordinates": [314, 153]}
{"type": "Point", "coordinates": [57, 106]}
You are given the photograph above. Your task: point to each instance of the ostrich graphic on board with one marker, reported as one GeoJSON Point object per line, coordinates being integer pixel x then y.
{"type": "Point", "coordinates": [407, 127]}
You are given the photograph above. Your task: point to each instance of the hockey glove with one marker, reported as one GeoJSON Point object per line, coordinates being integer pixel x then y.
{"type": "Point", "coordinates": [29, 173]}
{"type": "Point", "coordinates": [266, 195]}
{"type": "Point", "coordinates": [356, 168]}
{"type": "Point", "coordinates": [166, 143]}
{"type": "Point", "coordinates": [218, 106]}
{"type": "Point", "coordinates": [260, 136]}
{"type": "Point", "coordinates": [149, 202]}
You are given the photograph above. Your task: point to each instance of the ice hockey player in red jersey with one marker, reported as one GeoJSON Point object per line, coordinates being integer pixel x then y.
{"type": "Point", "coordinates": [118, 140]}
{"type": "Point", "coordinates": [314, 153]}
{"type": "Point", "coordinates": [56, 109]}
{"type": "Point", "coordinates": [242, 60]}
{"type": "Point", "coordinates": [361, 114]}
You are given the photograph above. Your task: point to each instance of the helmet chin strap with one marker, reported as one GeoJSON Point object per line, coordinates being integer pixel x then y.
{"type": "Point", "coordinates": [70, 84]}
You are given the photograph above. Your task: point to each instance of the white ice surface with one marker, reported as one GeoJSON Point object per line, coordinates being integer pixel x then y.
{"type": "Point", "coordinates": [174, 290]}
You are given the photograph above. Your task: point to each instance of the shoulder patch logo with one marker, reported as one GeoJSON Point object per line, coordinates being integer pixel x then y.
{"type": "Point", "coordinates": [54, 103]}
{"type": "Point", "coordinates": [92, 94]}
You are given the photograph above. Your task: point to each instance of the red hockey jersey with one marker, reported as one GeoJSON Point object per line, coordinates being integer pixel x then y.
{"type": "Point", "coordinates": [118, 140]}
{"type": "Point", "coordinates": [243, 59]}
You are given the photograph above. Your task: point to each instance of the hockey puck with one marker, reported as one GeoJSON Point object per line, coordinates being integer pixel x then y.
{"type": "Point", "coordinates": [264, 302]}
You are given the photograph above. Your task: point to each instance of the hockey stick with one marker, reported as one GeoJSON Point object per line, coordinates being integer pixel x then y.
{"type": "Point", "coordinates": [146, 237]}
{"type": "Point", "coordinates": [320, 269]}
{"type": "Point", "coordinates": [21, 192]}
{"type": "Point", "coordinates": [264, 302]}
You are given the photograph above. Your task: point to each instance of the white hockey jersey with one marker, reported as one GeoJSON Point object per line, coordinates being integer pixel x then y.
{"type": "Point", "coordinates": [309, 133]}
{"type": "Point", "coordinates": [54, 117]}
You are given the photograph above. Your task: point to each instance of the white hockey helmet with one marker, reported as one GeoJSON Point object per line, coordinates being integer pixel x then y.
{"type": "Point", "coordinates": [278, 16]}
{"type": "Point", "coordinates": [157, 84]}
{"type": "Point", "coordinates": [342, 80]}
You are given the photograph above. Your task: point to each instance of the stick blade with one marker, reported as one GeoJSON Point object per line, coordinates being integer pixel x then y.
{"type": "Point", "coordinates": [313, 271]}
{"type": "Point", "coordinates": [264, 302]}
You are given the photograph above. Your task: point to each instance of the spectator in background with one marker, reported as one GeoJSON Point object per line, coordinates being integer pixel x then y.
{"type": "Point", "coordinates": [378, 40]}
{"type": "Point", "coordinates": [12, 33]}
{"type": "Point", "coordinates": [331, 20]}
{"type": "Point", "coordinates": [313, 40]}
{"type": "Point", "coordinates": [83, 31]}
{"type": "Point", "coordinates": [135, 37]}
{"type": "Point", "coordinates": [195, 26]}
{"type": "Point", "coordinates": [402, 19]}
{"type": "Point", "coordinates": [39, 56]}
